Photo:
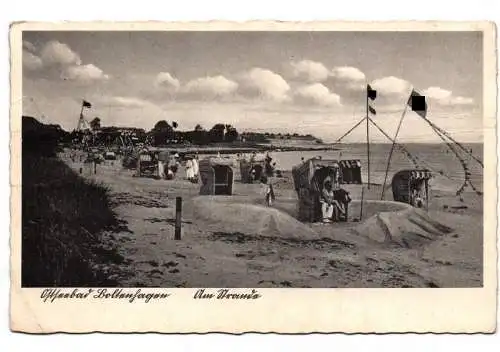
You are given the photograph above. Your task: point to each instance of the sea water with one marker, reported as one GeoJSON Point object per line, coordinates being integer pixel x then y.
{"type": "Point", "coordinates": [436, 157]}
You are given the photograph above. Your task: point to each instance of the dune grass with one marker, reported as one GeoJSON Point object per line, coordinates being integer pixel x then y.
{"type": "Point", "coordinates": [62, 218]}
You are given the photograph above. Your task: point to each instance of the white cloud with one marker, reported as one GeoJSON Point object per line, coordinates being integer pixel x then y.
{"type": "Point", "coordinates": [56, 53]}
{"type": "Point", "coordinates": [391, 86]}
{"type": "Point", "coordinates": [462, 101]}
{"type": "Point", "coordinates": [437, 93]}
{"type": "Point", "coordinates": [309, 71]}
{"type": "Point", "coordinates": [128, 102]}
{"type": "Point", "coordinates": [348, 74]}
{"type": "Point", "coordinates": [264, 84]}
{"type": "Point", "coordinates": [348, 78]}
{"type": "Point", "coordinates": [210, 87]}
{"type": "Point", "coordinates": [166, 80]}
{"type": "Point", "coordinates": [31, 61]}
{"type": "Point", "coordinates": [317, 94]}
{"type": "Point", "coordinates": [29, 46]}
{"type": "Point", "coordinates": [84, 73]}
{"type": "Point", "coordinates": [64, 61]}
{"type": "Point", "coordinates": [445, 97]}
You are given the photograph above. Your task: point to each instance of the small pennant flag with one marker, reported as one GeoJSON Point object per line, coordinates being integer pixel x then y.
{"type": "Point", "coordinates": [174, 124]}
{"type": "Point", "coordinates": [417, 103]}
{"type": "Point", "coordinates": [372, 110]}
{"type": "Point", "coordinates": [86, 104]}
{"type": "Point", "coordinates": [371, 93]}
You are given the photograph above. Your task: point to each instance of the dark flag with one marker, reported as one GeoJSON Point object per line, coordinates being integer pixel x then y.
{"type": "Point", "coordinates": [86, 104]}
{"type": "Point", "coordinates": [417, 103]}
{"type": "Point", "coordinates": [371, 93]}
{"type": "Point", "coordinates": [174, 124]}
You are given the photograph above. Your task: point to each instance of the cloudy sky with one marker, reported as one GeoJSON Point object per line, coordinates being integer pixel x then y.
{"type": "Point", "coordinates": [305, 82]}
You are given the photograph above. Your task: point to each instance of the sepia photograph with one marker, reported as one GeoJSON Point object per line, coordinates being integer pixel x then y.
{"type": "Point", "coordinates": [262, 159]}
{"type": "Point", "coordinates": [317, 177]}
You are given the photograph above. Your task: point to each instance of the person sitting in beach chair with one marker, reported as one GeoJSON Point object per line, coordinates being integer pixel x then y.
{"type": "Point", "coordinates": [327, 201]}
{"type": "Point", "coordinates": [418, 201]}
{"type": "Point", "coordinates": [341, 202]}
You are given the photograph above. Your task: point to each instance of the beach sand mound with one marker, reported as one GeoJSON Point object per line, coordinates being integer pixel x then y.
{"type": "Point", "coordinates": [230, 214]}
{"type": "Point", "coordinates": [410, 228]}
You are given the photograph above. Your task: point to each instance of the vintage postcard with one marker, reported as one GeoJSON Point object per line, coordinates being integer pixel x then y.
{"type": "Point", "coordinates": [253, 177]}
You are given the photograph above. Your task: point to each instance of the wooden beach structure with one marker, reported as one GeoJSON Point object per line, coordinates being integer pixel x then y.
{"type": "Point", "coordinates": [409, 186]}
{"type": "Point", "coordinates": [251, 170]}
{"type": "Point", "coordinates": [147, 163]}
{"type": "Point", "coordinates": [309, 176]}
{"type": "Point", "coordinates": [217, 176]}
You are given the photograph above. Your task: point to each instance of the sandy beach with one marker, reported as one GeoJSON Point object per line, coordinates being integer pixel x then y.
{"type": "Point", "coordinates": [236, 241]}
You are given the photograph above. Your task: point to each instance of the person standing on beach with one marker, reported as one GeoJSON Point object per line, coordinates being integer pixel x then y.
{"type": "Point", "coordinates": [196, 168]}
{"type": "Point", "coordinates": [268, 191]}
{"type": "Point", "coordinates": [163, 157]}
{"type": "Point", "coordinates": [267, 165]}
{"type": "Point", "coordinates": [189, 169]}
{"type": "Point", "coordinates": [253, 157]}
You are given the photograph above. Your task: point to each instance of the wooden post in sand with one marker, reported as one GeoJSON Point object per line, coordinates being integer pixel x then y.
{"type": "Point", "coordinates": [178, 217]}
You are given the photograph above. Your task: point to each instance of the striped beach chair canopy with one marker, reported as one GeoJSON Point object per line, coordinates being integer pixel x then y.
{"type": "Point", "coordinates": [350, 171]}
{"type": "Point", "coordinates": [413, 174]}
{"type": "Point", "coordinates": [350, 164]}
{"type": "Point", "coordinates": [420, 174]}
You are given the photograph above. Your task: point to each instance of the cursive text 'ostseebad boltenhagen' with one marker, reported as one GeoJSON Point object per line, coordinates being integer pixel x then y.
{"type": "Point", "coordinates": [51, 294]}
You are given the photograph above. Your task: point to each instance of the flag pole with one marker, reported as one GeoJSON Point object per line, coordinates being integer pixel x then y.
{"type": "Point", "coordinates": [392, 150]}
{"type": "Point", "coordinates": [81, 111]}
{"type": "Point", "coordinates": [80, 118]}
{"type": "Point", "coordinates": [368, 137]}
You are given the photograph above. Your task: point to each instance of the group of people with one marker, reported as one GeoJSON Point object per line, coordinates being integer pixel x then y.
{"type": "Point", "coordinates": [192, 169]}
{"type": "Point", "coordinates": [168, 165]}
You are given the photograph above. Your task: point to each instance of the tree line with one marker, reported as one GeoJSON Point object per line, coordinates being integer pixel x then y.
{"type": "Point", "coordinates": [164, 133]}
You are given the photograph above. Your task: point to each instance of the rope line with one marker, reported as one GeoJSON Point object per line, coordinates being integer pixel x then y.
{"type": "Point", "coordinates": [352, 129]}
{"type": "Point", "coordinates": [446, 134]}
{"type": "Point", "coordinates": [412, 158]}
{"type": "Point", "coordinates": [463, 163]}
{"type": "Point", "coordinates": [392, 150]}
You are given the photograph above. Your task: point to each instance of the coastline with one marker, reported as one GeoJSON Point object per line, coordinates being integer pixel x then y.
{"type": "Point", "coordinates": [232, 149]}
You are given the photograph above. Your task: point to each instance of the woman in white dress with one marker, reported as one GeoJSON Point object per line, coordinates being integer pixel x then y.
{"type": "Point", "coordinates": [189, 170]}
{"type": "Point", "coordinates": [196, 167]}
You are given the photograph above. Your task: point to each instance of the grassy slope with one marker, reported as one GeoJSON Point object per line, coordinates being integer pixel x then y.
{"type": "Point", "coordinates": [62, 216]}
